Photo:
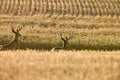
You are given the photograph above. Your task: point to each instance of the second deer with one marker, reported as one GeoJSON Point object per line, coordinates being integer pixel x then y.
{"type": "Point", "coordinates": [65, 42]}
{"type": "Point", "coordinates": [14, 44]}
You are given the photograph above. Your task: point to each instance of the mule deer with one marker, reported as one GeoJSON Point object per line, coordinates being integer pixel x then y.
{"type": "Point", "coordinates": [65, 42]}
{"type": "Point", "coordinates": [14, 44]}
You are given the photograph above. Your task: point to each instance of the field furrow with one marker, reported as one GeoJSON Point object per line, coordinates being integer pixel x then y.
{"type": "Point", "coordinates": [60, 7]}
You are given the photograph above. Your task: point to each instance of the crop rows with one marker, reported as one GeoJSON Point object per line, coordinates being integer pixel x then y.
{"type": "Point", "coordinates": [60, 7]}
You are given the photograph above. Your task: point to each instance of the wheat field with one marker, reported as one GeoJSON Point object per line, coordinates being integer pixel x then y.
{"type": "Point", "coordinates": [93, 53]}
{"type": "Point", "coordinates": [62, 65]}
{"type": "Point", "coordinates": [60, 7]}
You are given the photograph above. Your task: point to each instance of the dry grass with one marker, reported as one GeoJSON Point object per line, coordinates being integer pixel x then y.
{"type": "Point", "coordinates": [95, 24]}
{"type": "Point", "coordinates": [47, 38]}
{"type": "Point", "coordinates": [62, 65]}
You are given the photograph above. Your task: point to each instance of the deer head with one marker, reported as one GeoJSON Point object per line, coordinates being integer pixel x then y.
{"type": "Point", "coordinates": [66, 39]}
{"type": "Point", "coordinates": [16, 31]}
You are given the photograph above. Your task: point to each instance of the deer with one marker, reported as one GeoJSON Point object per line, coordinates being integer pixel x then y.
{"type": "Point", "coordinates": [14, 44]}
{"type": "Point", "coordinates": [65, 41]}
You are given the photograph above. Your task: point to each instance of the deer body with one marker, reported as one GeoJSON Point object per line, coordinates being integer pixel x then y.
{"type": "Point", "coordinates": [65, 43]}
{"type": "Point", "coordinates": [14, 44]}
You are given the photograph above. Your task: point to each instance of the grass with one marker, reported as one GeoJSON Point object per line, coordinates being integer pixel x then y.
{"type": "Point", "coordinates": [92, 54]}
{"type": "Point", "coordinates": [90, 33]}
{"type": "Point", "coordinates": [62, 65]}
{"type": "Point", "coordinates": [46, 38]}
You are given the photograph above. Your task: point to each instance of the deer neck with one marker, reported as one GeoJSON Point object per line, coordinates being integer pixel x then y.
{"type": "Point", "coordinates": [64, 45]}
{"type": "Point", "coordinates": [16, 38]}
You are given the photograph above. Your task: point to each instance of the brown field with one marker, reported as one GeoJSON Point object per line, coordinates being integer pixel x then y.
{"type": "Point", "coordinates": [93, 54]}
{"type": "Point", "coordinates": [62, 65]}
{"type": "Point", "coordinates": [61, 7]}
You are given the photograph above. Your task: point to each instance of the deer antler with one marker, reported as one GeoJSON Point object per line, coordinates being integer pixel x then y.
{"type": "Point", "coordinates": [20, 28]}
{"type": "Point", "coordinates": [70, 37]}
{"type": "Point", "coordinates": [13, 28]}
{"type": "Point", "coordinates": [62, 37]}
